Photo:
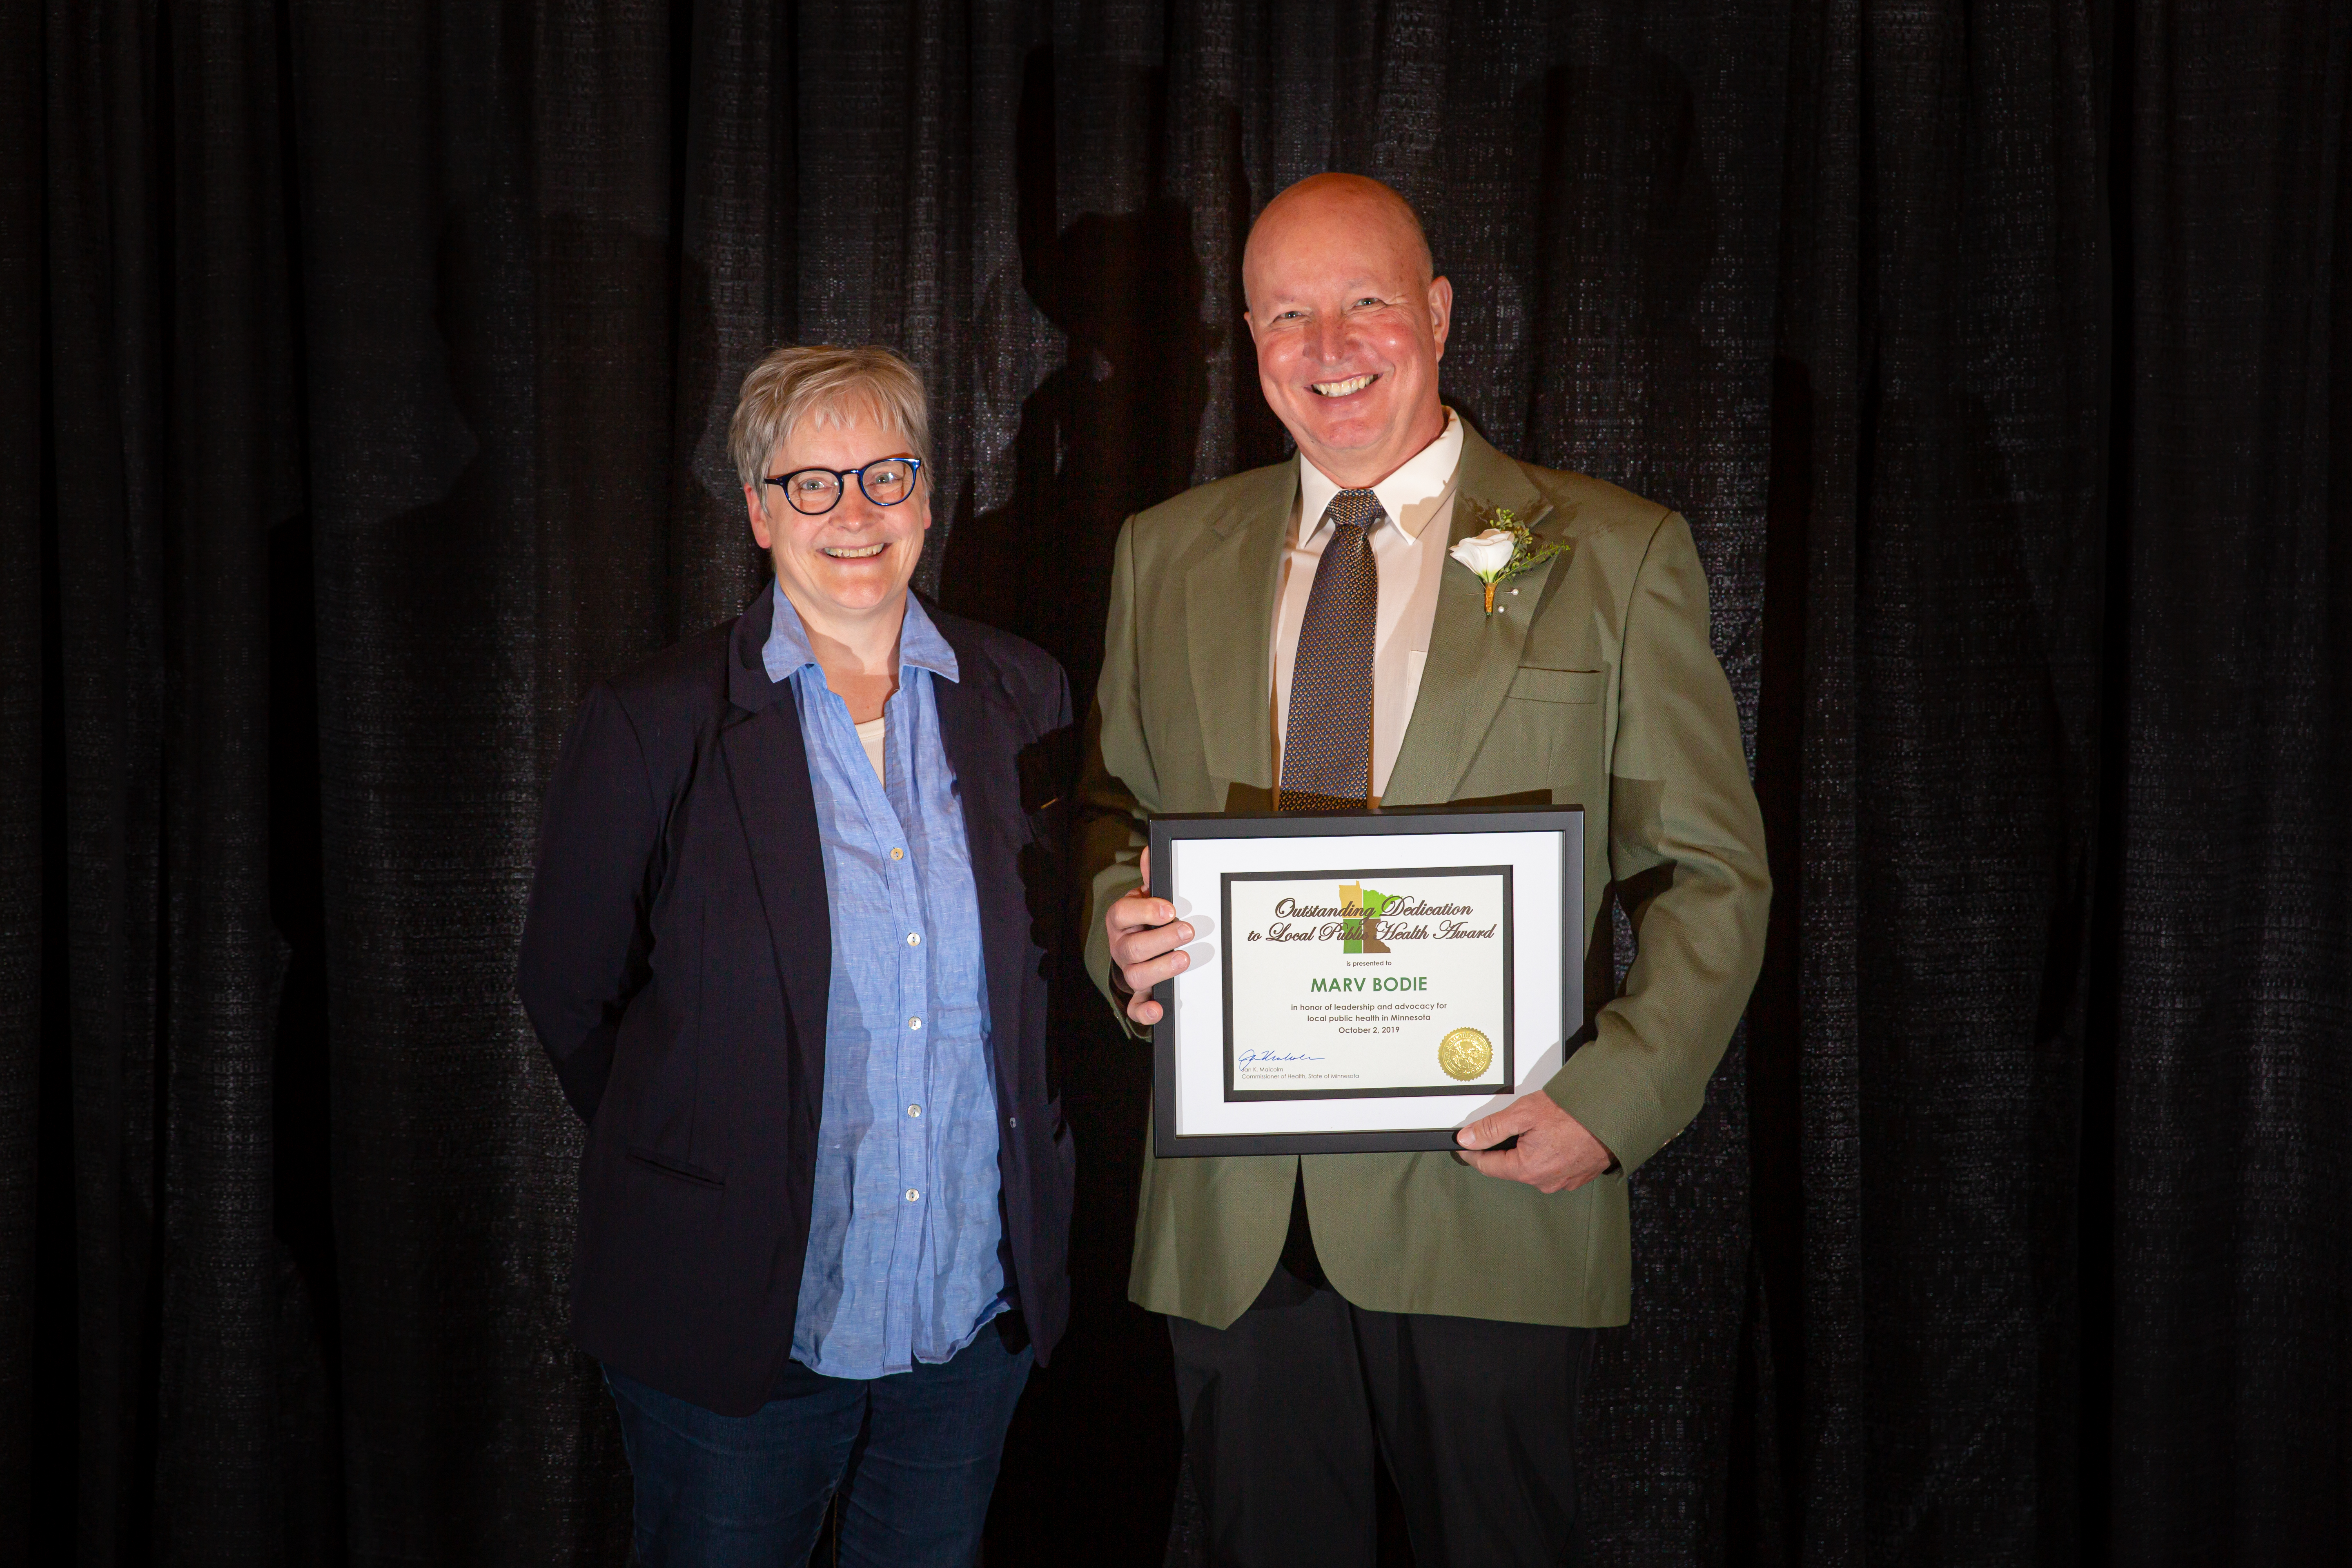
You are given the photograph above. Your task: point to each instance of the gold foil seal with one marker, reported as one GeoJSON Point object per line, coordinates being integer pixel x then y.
{"type": "Point", "coordinates": [1466, 1054]}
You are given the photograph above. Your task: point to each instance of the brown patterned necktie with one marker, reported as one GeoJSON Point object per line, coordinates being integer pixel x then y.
{"type": "Point", "coordinates": [1327, 747]}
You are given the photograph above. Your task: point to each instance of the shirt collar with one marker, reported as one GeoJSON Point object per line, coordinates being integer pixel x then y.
{"type": "Point", "coordinates": [920, 643]}
{"type": "Point", "coordinates": [1405, 495]}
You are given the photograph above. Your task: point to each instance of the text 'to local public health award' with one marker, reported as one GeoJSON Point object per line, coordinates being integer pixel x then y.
{"type": "Point", "coordinates": [1363, 981]}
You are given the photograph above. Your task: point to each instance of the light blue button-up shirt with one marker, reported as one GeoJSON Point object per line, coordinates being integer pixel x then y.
{"type": "Point", "coordinates": [902, 1254]}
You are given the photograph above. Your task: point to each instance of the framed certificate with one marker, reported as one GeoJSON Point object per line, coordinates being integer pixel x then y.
{"type": "Point", "coordinates": [1366, 981]}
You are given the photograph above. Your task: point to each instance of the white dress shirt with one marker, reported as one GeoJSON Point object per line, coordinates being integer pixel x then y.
{"type": "Point", "coordinates": [1409, 554]}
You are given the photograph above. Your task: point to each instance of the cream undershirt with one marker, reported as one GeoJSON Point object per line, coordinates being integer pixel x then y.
{"type": "Point", "coordinates": [869, 735]}
{"type": "Point", "coordinates": [1409, 554]}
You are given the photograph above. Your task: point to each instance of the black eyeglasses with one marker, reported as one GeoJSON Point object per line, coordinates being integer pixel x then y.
{"type": "Point", "coordinates": [886, 481]}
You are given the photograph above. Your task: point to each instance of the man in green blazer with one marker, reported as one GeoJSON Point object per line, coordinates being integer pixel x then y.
{"type": "Point", "coordinates": [1436, 1307]}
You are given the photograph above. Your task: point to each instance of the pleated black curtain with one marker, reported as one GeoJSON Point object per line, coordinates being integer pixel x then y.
{"type": "Point", "coordinates": [364, 369]}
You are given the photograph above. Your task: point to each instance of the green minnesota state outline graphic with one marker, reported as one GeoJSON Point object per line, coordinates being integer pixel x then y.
{"type": "Point", "coordinates": [1362, 934]}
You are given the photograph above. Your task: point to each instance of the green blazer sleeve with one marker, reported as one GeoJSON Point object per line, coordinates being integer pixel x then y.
{"type": "Point", "coordinates": [1111, 820]}
{"type": "Point", "coordinates": [1686, 847]}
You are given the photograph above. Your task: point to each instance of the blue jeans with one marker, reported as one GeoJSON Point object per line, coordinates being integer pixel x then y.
{"type": "Point", "coordinates": [913, 1455]}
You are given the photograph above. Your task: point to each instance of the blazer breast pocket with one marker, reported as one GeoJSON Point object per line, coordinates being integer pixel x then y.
{"type": "Point", "coordinates": [1533, 683]}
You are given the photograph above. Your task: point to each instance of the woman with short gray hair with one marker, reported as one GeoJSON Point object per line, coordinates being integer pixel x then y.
{"type": "Point", "coordinates": [780, 950]}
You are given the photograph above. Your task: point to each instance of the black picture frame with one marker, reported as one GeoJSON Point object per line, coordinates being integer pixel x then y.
{"type": "Point", "coordinates": [1169, 830]}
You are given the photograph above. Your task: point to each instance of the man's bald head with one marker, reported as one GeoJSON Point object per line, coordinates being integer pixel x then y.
{"type": "Point", "coordinates": [1374, 212]}
{"type": "Point", "coordinates": [1349, 321]}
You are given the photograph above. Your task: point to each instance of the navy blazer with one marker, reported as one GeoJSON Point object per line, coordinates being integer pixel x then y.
{"type": "Point", "coordinates": [674, 964]}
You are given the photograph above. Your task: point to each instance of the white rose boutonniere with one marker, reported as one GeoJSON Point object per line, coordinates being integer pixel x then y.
{"type": "Point", "coordinates": [1502, 550]}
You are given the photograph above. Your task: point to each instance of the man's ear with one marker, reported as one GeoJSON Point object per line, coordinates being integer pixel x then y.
{"type": "Point", "coordinates": [1441, 310]}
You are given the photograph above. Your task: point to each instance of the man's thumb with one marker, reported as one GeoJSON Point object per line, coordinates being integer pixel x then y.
{"type": "Point", "coordinates": [1486, 1131]}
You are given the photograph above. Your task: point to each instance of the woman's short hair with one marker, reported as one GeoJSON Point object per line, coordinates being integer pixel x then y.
{"type": "Point", "coordinates": [830, 385]}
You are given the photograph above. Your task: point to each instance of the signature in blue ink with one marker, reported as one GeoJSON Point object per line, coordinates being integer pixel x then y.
{"type": "Point", "coordinates": [1276, 1056]}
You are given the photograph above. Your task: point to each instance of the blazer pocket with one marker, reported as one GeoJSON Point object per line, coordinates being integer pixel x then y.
{"type": "Point", "coordinates": [1536, 684]}
{"type": "Point", "coordinates": [680, 1170]}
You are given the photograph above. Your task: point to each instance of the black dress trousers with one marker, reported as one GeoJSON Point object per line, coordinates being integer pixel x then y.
{"type": "Point", "coordinates": [1476, 1420]}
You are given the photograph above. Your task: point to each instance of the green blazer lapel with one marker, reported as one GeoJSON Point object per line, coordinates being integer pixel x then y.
{"type": "Point", "coordinates": [1471, 655]}
{"type": "Point", "coordinates": [1229, 629]}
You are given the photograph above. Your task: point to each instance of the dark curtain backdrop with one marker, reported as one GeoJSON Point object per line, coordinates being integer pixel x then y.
{"type": "Point", "coordinates": [364, 369]}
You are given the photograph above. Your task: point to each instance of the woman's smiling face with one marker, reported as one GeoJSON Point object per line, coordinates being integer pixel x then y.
{"type": "Point", "coordinates": [859, 557]}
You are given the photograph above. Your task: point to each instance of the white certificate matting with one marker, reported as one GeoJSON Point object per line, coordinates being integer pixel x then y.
{"type": "Point", "coordinates": [1363, 981]}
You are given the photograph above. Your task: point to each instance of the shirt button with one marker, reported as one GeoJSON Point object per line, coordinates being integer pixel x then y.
{"type": "Point", "coordinates": [912, 1194]}
{"type": "Point", "coordinates": [914, 939]}
{"type": "Point", "coordinates": [914, 1023]}
{"type": "Point", "coordinates": [914, 1111]}
{"type": "Point", "coordinates": [897, 854]}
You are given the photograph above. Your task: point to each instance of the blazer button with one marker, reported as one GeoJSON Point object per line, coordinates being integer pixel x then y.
{"type": "Point", "coordinates": [1013, 1121]}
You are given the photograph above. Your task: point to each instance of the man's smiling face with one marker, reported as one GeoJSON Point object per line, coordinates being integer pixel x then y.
{"type": "Point", "coordinates": [1349, 324]}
